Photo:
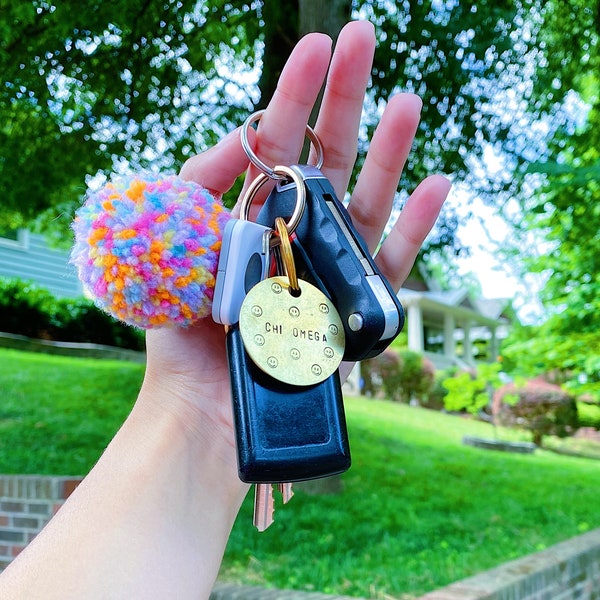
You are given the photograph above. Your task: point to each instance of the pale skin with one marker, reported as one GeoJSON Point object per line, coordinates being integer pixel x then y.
{"type": "Point", "coordinates": [152, 518]}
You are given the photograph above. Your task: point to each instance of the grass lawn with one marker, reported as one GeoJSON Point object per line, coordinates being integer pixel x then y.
{"type": "Point", "coordinates": [419, 510]}
{"type": "Point", "coordinates": [57, 414]}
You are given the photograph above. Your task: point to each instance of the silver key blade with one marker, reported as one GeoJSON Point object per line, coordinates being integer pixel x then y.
{"type": "Point", "coordinates": [263, 506]}
{"type": "Point", "coordinates": [286, 491]}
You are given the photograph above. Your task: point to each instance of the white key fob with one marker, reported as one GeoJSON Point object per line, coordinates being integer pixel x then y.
{"type": "Point", "coordinates": [243, 262]}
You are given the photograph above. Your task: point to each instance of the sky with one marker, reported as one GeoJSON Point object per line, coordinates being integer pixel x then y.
{"type": "Point", "coordinates": [485, 233]}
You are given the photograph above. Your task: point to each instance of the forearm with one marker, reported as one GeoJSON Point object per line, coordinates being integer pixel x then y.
{"type": "Point", "coordinates": [151, 520]}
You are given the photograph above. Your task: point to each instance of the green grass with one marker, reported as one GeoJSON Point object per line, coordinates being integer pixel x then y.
{"type": "Point", "coordinates": [57, 414]}
{"type": "Point", "coordinates": [419, 510]}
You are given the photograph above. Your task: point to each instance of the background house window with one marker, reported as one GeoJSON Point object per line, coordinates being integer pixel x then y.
{"type": "Point", "coordinates": [14, 238]}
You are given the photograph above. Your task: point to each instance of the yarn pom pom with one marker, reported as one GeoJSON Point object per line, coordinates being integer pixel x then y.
{"type": "Point", "coordinates": [147, 249]}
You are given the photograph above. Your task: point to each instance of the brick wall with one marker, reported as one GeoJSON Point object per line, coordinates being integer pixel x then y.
{"type": "Point", "coordinates": [27, 502]}
{"type": "Point", "coordinates": [567, 571]}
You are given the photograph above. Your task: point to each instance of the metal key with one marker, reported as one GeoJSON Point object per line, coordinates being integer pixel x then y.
{"type": "Point", "coordinates": [285, 489]}
{"type": "Point", "coordinates": [285, 431]}
{"type": "Point", "coordinates": [263, 506]}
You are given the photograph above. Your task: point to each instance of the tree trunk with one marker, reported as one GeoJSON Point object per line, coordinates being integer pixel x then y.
{"type": "Point", "coordinates": [285, 23]}
{"type": "Point", "coordinates": [281, 35]}
{"type": "Point", "coordinates": [325, 16]}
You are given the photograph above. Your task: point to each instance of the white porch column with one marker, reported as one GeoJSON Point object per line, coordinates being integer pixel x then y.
{"type": "Point", "coordinates": [449, 342]}
{"type": "Point", "coordinates": [414, 318]}
{"type": "Point", "coordinates": [493, 345]}
{"type": "Point", "coordinates": [467, 345]}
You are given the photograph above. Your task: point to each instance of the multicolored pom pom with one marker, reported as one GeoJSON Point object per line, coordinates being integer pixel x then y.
{"type": "Point", "coordinates": [147, 249]}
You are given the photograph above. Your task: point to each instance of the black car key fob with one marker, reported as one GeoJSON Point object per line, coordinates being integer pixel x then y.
{"type": "Point", "coordinates": [340, 262]}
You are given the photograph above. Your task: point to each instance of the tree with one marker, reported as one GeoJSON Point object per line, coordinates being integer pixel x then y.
{"type": "Point", "coordinates": [146, 82]}
{"type": "Point", "coordinates": [152, 83]}
{"type": "Point", "coordinates": [564, 211]}
{"type": "Point", "coordinates": [472, 391]}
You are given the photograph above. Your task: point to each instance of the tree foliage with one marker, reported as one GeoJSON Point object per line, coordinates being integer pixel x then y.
{"type": "Point", "coordinates": [107, 84]}
{"type": "Point", "coordinates": [565, 209]}
{"type": "Point", "coordinates": [154, 82]}
{"type": "Point", "coordinates": [90, 84]}
{"type": "Point", "coordinates": [542, 408]}
{"type": "Point", "coordinates": [471, 391]}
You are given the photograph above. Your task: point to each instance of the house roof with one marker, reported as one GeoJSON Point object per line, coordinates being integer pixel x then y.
{"type": "Point", "coordinates": [460, 305]}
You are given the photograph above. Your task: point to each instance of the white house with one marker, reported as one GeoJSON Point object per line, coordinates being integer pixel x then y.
{"type": "Point", "coordinates": [28, 256]}
{"type": "Point", "coordinates": [453, 328]}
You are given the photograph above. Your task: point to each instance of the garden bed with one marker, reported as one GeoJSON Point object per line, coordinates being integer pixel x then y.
{"type": "Point", "coordinates": [500, 445]}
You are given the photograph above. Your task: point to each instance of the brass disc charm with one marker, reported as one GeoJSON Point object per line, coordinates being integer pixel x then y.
{"type": "Point", "coordinates": [297, 339]}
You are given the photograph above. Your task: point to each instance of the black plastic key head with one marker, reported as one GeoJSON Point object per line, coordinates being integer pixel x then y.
{"type": "Point", "coordinates": [284, 432]}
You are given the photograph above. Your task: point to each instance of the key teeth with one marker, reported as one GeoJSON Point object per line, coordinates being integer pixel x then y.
{"type": "Point", "coordinates": [264, 526]}
{"type": "Point", "coordinates": [286, 491]}
{"type": "Point", "coordinates": [264, 504]}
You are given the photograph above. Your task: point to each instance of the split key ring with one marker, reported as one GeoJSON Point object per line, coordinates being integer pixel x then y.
{"type": "Point", "coordinates": [282, 173]}
{"type": "Point", "coordinates": [257, 162]}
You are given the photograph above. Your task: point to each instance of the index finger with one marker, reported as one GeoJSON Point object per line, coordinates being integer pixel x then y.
{"type": "Point", "coordinates": [280, 134]}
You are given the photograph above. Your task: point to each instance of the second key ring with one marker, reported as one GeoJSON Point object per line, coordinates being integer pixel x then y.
{"type": "Point", "coordinates": [279, 173]}
{"type": "Point", "coordinates": [257, 162]}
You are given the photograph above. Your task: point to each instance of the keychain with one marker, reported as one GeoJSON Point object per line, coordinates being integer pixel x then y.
{"type": "Point", "coordinates": [297, 292]}
{"type": "Point", "coordinates": [283, 357]}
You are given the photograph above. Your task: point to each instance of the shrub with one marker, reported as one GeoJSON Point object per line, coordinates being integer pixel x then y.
{"type": "Point", "coordinates": [32, 311]}
{"type": "Point", "coordinates": [417, 376]}
{"type": "Point", "coordinates": [25, 308]}
{"type": "Point", "coordinates": [80, 320]}
{"type": "Point", "coordinates": [542, 408]}
{"type": "Point", "coordinates": [588, 414]}
{"type": "Point", "coordinates": [403, 376]}
{"type": "Point", "coordinates": [437, 393]}
{"type": "Point", "coordinates": [375, 370]}
{"type": "Point", "coordinates": [472, 390]}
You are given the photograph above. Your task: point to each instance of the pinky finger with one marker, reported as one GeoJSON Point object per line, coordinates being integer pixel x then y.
{"type": "Point", "coordinates": [400, 248]}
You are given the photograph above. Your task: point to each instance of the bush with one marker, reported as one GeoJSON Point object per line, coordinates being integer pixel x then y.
{"type": "Point", "coordinates": [402, 376]}
{"type": "Point", "coordinates": [416, 377]}
{"type": "Point", "coordinates": [436, 394]}
{"type": "Point", "coordinates": [26, 309]}
{"type": "Point", "coordinates": [374, 371]}
{"type": "Point", "coordinates": [588, 414]}
{"type": "Point", "coordinates": [471, 390]}
{"type": "Point", "coordinates": [542, 408]}
{"type": "Point", "coordinates": [30, 310]}
{"type": "Point", "coordinates": [80, 320]}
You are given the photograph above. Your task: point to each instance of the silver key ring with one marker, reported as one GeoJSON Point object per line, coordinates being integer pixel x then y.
{"type": "Point", "coordinates": [279, 173]}
{"type": "Point", "coordinates": [272, 172]}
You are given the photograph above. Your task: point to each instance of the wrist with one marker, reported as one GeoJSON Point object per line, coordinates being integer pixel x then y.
{"type": "Point", "coordinates": [202, 441]}
{"type": "Point", "coordinates": [150, 520]}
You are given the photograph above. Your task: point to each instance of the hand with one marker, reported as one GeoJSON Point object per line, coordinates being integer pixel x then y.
{"type": "Point", "coordinates": [191, 363]}
{"type": "Point", "coordinates": [187, 372]}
